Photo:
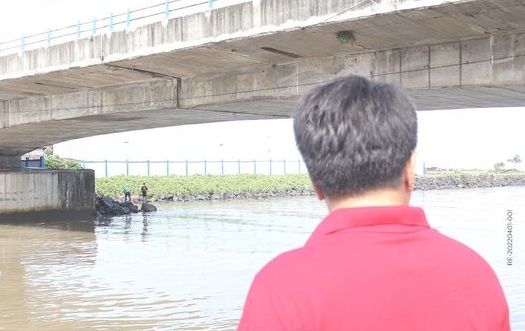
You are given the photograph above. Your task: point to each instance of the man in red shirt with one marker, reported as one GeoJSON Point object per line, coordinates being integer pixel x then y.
{"type": "Point", "coordinates": [373, 263]}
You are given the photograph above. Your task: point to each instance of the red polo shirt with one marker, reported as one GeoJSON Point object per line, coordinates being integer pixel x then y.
{"type": "Point", "coordinates": [376, 268]}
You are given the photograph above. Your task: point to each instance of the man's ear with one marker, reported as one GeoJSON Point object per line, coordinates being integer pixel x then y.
{"type": "Point", "coordinates": [409, 173]}
{"type": "Point", "coordinates": [318, 192]}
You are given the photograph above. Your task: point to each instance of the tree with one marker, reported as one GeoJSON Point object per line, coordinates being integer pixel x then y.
{"type": "Point", "coordinates": [516, 159]}
{"type": "Point", "coordinates": [54, 162]}
{"type": "Point", "coordinates": [48, 151]}
{"type": "Point", "coordinates": [499, 166]}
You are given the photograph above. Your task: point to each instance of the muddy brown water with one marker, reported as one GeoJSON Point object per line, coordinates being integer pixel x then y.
{"type": "Point", "coordinates": [188, 266]}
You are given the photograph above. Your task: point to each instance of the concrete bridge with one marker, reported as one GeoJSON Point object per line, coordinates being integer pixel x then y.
{"type": "Point", "coordinates": [253, 59]}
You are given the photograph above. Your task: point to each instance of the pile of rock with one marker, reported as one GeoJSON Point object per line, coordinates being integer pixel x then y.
{"type": "Point", "coordinates": [236, 195]}
{"type": "Point", "coordinates": [110, 207]}
{"type": "Point", "coordinates": [466, 181]}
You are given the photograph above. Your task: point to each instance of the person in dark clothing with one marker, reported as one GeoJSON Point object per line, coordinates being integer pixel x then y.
{"type": "Point", "coordinates": [144, 191]}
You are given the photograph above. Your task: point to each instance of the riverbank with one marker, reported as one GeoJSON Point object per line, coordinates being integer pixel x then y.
{"type": "Point", "coordinates": [468, 180]}
{"type": "Point", "coordinates": [214, 187]}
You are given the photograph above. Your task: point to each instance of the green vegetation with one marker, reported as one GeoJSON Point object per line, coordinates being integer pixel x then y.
{"type": "Point", "coordinates": [202, 185]}
{"type": "Point", "coordinates": [498, 167]}
{"type": "Point", "coordinates": [231, 186]}
{"type": "Point", "coordinates": [54, 162]}
{"type": "Point", "coordinates": [345, 36]}
{"type": "Point", "coordinates": [515, 160]}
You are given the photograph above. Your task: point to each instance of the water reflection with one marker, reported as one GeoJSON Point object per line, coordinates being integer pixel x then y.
{"type": "Point", "coordinates": [145, 225]}
{"type": "Point", "coordinates": [38, 263]}
{"type": "Point", "coordinates": [69, 222]}
{"type": "Point", "coordinates": [128, 221]}
{"type": "Point", "coordinates": [189, 266]}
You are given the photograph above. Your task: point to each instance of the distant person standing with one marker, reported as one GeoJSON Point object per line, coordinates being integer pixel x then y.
{"type": "Point", "coordinates": [127, 193]}
{"type": "Point", "coordinates": [144, 191]}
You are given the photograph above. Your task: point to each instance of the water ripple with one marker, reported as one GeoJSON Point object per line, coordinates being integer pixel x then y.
{"type": "Point", "coordinates": [189, 266]}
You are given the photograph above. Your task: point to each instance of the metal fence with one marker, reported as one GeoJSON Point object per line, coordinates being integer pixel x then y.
{"type": "Point", "coordinates": [108, 168]}
{"type": "Point", "coordinates": [33, 162]}
{"type": "Point", "coordinates": [113, 22]}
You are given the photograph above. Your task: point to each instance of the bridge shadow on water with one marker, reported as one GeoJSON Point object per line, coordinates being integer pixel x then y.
{"type": "Point", "coordinates": [84, 221]}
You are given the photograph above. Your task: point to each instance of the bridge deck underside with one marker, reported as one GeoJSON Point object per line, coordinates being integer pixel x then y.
{"type": "Point", "coordinates": [455, 21]}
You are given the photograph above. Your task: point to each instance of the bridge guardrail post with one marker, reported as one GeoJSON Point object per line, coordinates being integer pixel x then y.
{"type": "Point", "coordinates": [111, 22]}
{"type": "Point", "coordinates": [128, 19]}
{"type": "Point", "coordinates": [94, 30]}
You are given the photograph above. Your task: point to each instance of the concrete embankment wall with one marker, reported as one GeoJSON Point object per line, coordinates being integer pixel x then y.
{"type": "Point", "coordinates": [61, 191]}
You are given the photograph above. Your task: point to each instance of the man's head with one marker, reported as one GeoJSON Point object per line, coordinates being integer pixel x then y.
{"type": "Point", "coordinates": [355, 135]}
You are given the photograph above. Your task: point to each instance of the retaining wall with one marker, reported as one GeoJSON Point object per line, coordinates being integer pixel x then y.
{"type": "Point", "coordinates": [62, 191]}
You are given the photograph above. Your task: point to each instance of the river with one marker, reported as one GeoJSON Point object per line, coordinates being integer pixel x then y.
{"type": "Point", "coordinates": [188, 266]}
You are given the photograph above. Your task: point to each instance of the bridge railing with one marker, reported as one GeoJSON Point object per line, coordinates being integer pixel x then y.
{"type": "Point", "coordinates": [123, 21]}
{"type": "Point", "coordinates": [107, 168]}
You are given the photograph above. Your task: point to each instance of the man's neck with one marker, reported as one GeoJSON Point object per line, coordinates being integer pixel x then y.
{"type": "Point", "coordinates": [383, 197]}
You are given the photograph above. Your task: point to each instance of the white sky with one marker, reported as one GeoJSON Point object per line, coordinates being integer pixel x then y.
{"type": "Point", "coordinates": [471, 138]}
{"type": "Point", "coordinates": [474, 138]}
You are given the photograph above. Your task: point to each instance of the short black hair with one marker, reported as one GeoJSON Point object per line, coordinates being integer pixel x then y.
{"type": "Point", "coordinates": [355, 135]}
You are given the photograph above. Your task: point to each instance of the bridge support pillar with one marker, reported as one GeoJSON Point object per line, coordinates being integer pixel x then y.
{"type": "Point", "coordinates": [31, 194]}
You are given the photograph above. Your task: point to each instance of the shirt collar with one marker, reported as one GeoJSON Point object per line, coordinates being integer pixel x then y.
{"type": "Point", "coordinates": [346, 218]}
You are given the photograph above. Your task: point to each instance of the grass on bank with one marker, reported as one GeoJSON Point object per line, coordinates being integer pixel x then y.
{"type": "Point", "coordinates": [201, 184]}
{"type": "Point", "coordinates": [217, 185]}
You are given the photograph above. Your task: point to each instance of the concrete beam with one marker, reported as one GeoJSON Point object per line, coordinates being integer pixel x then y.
{"type": "Point", "coordinates": [485, 72]}
{"type": "Point", "coordinates": [232, 37]}
{"type": "Point", "coordinates": [496, 62]}
{"type": "Point", "coordinates": [157, 94]}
